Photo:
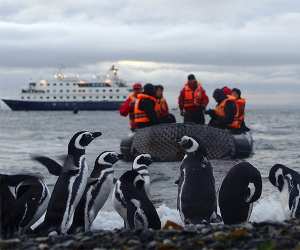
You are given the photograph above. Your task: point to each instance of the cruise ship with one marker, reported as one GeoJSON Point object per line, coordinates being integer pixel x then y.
{"type": "Point", "coordinates": [71, 93]}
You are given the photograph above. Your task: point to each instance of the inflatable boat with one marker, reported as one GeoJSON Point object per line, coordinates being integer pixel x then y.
{"type": "Point", "coordinates": [161, 142]}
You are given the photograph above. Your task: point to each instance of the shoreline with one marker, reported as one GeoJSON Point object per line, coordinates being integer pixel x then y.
{"type": "Point", "coordinates": [262, 236]}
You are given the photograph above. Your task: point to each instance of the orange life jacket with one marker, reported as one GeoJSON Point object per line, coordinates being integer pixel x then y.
{"type": "Point", "coordinates": [192, 98]}
{"type": "Point", "coordinates": [161, 107]}
{"type": "Point", "coordinates": [132, 99]}
{"type": "Point", "coordinates": [240, 113]}
{"type": "Point", "coordinates": [139, 115]}
{"type": "Point", "coordinates": [220, 108]}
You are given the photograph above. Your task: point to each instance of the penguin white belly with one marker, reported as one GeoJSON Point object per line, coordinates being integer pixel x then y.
{"type": "Point", "coordinates": [180, 198]}
{"type": "Point", "coordinates": [284, 196]}
{"type": "Point", "coordinates": [147, 185]}
{"type": "Point", "coordinates": [117, 204]}
{"type": "Point", "coordinates": [93, 205]}
{"type": "Point", "coordinates": [70, 208]}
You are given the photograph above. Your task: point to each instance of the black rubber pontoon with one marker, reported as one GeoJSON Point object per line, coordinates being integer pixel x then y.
{"type": "Point", "coordinates": [161, 142]}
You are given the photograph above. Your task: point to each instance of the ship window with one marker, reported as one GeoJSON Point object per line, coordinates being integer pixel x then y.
{"type": "Point", "coordinates": [67, 84]}
{"type": "Point", "coordinates": [74, 97]}
{"type": "Point", "coordinates": [22, 97]}
{"type": "Point", "coordinates": [97, 97]}
{"type": "Point", "coordinates": [118, 97]}
{"type": "Point", "coordinates": [48, 84]}
{"type": "Point", "coordinates": [83, 97]}
{"type": "Point", "coordinates": [97, 90]}
{"type": "Point", "coordinates": [28, 97]}
{"type": "Point", "coordinates": [110, 90]}
{"type": "Point", "coordinates": [74, 84]}
{"type": "Point", "coordinates": [61, 97]}
{"type": "Point", "coordinates": [61, 91]}
{"type": "Point", "coordinates": [67, 97]}
{"type": "Point", "coordinates": [54, 84]}
{"type": "Point", "coordinates": [83, 90]}
{"type": "Point", "coordinates": [68, 90]}
{"type": "Point", "coordinates": [124, 97]}
{"type": "Point", "coordinates": [74, 90]}
{"type": "Point", "coordinates": [48, 90]}
{"type": "Point", "coordinates": [54, 97]}
{"type": "Point", "coordinates": [54, 90]}
{"type": "Point", "coordinates": [91, 97]}
{"type": "Point", "coordinates": [117, 90]}
{"type": "Point", "coordinates": [110, 97]}
{"type": "Point", "coordinates": [91, 90]}
{"type": "Point", "coordinates": [41, 97]}
{"type": "Point", "coordinates": [61, 84]}
{"type": "Point", "coordinates": [103, 90]}
{"type": "Point", "coordinates": [47, 97]}
{"type": "Point", "coordinates": [104, 97]}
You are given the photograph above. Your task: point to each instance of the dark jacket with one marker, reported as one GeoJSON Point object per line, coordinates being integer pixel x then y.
{"type": "Point", "coordinates": [229, 110]}
{"type": "Point", "coordinates": [148, 106]}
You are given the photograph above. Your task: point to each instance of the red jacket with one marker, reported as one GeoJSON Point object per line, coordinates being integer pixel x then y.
{"type": "Point", "coordinates": [189, 97]}
{"type": "Point", "coordinates": [127, 108]}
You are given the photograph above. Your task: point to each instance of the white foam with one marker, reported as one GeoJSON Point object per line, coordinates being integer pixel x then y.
{"type": "Point", "coordinates": [267, 209]}
{"type": "Point", "coordinates": [270, 209]}
{"type": "Point", "coordinates": [106, 220]}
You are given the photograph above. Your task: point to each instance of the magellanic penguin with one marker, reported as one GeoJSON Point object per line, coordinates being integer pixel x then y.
{"type": "Point", "coordinates": [141, 164]}
{"type": "Point", "coordinates": [69, 186]}
{"type": "Point", "coordinates": [26, 200]}
{"type": "Point", "coordinates": [288, 183]}
{"type": "Point", "coordinates": [99, 186]}
{"type": "Point", "coordinates": [132, 203]}
{"type": "Point", "coordinates": [196, 201]}
{"type": "Point", "coordinates": [241, 187]}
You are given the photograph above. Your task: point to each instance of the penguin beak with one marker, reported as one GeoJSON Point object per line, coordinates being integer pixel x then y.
{"type": "Point", "coordinates": [96, 134]}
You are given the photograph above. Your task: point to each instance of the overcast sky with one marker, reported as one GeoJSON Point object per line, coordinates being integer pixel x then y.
{"type": "Point", "coordinates": [253, 45]}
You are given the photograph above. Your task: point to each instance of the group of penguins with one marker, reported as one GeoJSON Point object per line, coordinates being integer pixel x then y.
{"type": "Point", "coordinates": [78, 196]}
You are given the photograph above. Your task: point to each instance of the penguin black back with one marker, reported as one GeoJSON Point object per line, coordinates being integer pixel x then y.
{"type": "Point", "coordinates": [240, 188]}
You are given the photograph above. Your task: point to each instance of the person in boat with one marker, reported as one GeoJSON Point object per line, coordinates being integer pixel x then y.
{"type": "Point", "coordinates": [227, 91]}
{"type": "Point", "coordinates": [161, 107]}
{"type": "Point", "coordinates": [239, 119]}
{"type": "Point", "coordinates": [224, 113]}
{"type": "Point", "coordinates": [127, 108]}
{"type": "Point", "coordinates": [144, 107]}
{"type": "Point", "coordinates": [193, 101]}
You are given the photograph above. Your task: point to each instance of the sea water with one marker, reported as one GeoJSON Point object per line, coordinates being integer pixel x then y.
{"type": "Point", "coordinates": [276, 134]}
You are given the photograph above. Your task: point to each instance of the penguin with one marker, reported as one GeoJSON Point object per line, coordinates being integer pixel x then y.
{"type": "Point", "coordinates": [26, 200]}
{"type": "Point", "coordinates": [100, 185]}
{"type": "Point", "coordinates": [196, 200]}
{"type": "Point", "coordinates": [287, 182]}
{"type": "Point", "coordinates": [141, 164]}
{"type": "Point", "coordinates": [132, 203]}
{"type": "Point", "coordinates": [241, 187]}
{"type": "Point", "coordinates": [69, 187]}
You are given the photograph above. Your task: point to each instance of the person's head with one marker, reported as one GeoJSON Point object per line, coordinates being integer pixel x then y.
{"type": "Point", "coordinates": [191, 78]}
{"type": "Point", "coordinates": [159, 91]}
{"type": "Point", "coordinates": [149, 89]}
{"type": "Point", "coordinates": [219, 95]}
{"type": "Point", "coordinates": [236, 93]}
{"type": "Point", "coordinates": [226, 90]}
{"type": "Point", "coordinates": [137, 88]}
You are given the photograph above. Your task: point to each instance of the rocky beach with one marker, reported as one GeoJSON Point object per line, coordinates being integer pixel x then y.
{"type": "Point", "coordinates": [262, 236]}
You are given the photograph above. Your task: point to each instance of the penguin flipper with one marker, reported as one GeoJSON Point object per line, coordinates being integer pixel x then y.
{"type": "Point", "coordinates": [15, 179]}
{"type": "Point", "coordinates": [52, 166]}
